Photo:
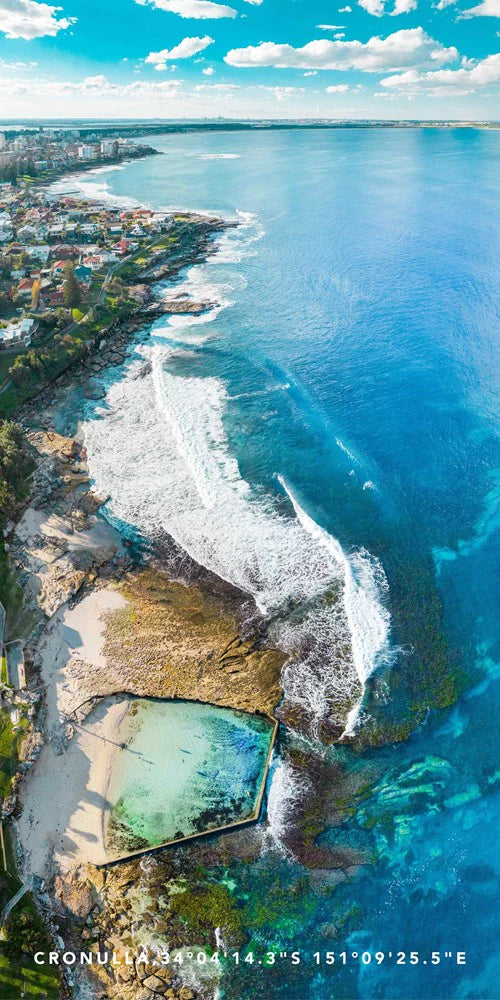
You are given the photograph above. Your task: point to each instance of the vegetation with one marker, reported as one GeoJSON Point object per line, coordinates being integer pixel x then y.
{"type": "Point", "coordinates": [9, 748]}
{"type": "Point", "coordinates": [71, 288]}
{"type": "Point", "coordinates": [14, 467]}
{"type": "Point", "coordinates": [19, 976]}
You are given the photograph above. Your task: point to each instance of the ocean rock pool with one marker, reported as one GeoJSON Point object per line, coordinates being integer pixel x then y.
{"type": "Point", "coordinates": [182, 768]}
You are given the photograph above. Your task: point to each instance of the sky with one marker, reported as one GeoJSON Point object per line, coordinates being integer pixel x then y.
{"type": "Point", "coordinates": [389, 59]}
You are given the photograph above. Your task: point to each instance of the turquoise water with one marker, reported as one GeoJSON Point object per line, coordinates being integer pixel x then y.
{"type": "Point", "coordinates": [352, 375]}
{"type": "Point", "coordinates": [186, 768]}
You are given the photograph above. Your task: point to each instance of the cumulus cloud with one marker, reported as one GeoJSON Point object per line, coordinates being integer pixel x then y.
{"type": "Point", "coordinates": [29, 19]}
{"type": "Point", "coordinates": [410, 47]}
{"type": "Point", "coordinates": [184, 50]}
{"type": "Point", "coordinates": [345, 10]}
{"type": "Point", "coordinates": [488, 8]}
{"type": "Point", "coordinates": [283, 93]}
{"type": "Point", "coordinates": [378, 7]}
{"type": "Point", "coordinates": [447, 81]}
{"type": "Point", "coordinates": [208, 71]}
{"type": "Point", "coordinates": [198, 9]}
{"type": "Point", "coordinates": [330, 27]}
{"type": "Point", "coordinates": [98, 86]}
{"type": "Point", "coordinates": [339, 88]}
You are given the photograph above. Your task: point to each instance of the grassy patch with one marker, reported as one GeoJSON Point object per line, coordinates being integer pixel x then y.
{"type": "Point", "coordinates": [19, 975]}
{"type": "Point", "coordinates": [9, 750]}
{"type": "Point", "coordinates": [5, 362]}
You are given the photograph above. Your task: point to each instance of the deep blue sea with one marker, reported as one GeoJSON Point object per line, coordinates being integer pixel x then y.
{"type": "Point", "coordinates": [345, 395]}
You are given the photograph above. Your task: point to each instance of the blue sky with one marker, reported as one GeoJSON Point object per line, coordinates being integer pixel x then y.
{"type": "Point", "coordinates": [245, 58]}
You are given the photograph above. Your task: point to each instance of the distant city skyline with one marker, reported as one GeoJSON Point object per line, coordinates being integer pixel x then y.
{"type": "Point", "coordinates": [379, 59]}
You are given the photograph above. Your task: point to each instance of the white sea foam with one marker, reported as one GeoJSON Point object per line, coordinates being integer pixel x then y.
{"type": "Point", "coordinates": [219, 156]}
{"type": "Point", "coordinates": [286, 788]}
{"type": "Point", "coordinates": [175, 473]}
{"type": "Point", "coordinates": [364, 581]}
{"type": "Point", "coordinates": [89, 187]}
{"type": "Point", "coordinates": [107, 169]}
{"type": "Point", "coordinates": [261, 392]}
{"type": "Point", "coordinates": [345, 449]}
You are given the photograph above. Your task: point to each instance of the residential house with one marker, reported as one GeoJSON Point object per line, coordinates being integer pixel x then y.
{"type": "Point", "coordinates": [25, 287]}
{"type": "Point", "coordinates": [83, 274]}
{"type": "Point", "coordinates": [93, 261]}
{"type": "Point", "coordinates": [64, 252]}
{"type": "Point", "coordinates": [59, 267]}
{"type": "Point", "coordinates": [55, 298]}
{"type": "Point", "coordinates": [18, 333]}
{"type": "Point", "coordinates": [40, 252]}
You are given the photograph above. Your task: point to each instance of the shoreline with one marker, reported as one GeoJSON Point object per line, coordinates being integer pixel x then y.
{"type": "Point", "coordinates": [69, 653]}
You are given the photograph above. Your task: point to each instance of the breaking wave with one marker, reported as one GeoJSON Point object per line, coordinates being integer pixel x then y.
{"type": "Point", "coordinates": [176, 474]}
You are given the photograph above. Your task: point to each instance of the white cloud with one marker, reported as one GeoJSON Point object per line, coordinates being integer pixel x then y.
{"type": "Point", "coordinates": [217, 86]}
{"type": "Point", "coordinates": [488, 8]}
{"type": "Point", "coordinates": [91, 85]}
{"type": "Point", "coordinates": [184, 50]}
{"type": "Point", "coordinates": [339, 35]}
{"type": "Point", "coordinates": [445, 81]}
{"type": "Point", "coordinates": [17, 65]}
{"type": "Point", "coordinates": [339, 88]}
{"type": "Point", "coordinates": [410, 47]}
{"type": "Point", "coordinates": [255, 3]}
{"type": "Point", "coordinates": [403, 7]}
{"type": "Point", "coordinates": [283, 93]}
{"type": "Point", "coordinates": [330, 27]}
{"type": "Point", "coordinates": [375, 7]}
{"type": "Point", "coordinates": [378, 7]}
{"type": "Point", "coordinates": [198, 9]}
{"type": "Point", "coordinates": [311, 72]}
{"type": "Point", "coordinates": [29, 19]}
{"type": "Point", "coordinates": [345, 10]}
{"type": "Point", "coordinates": [209, 71]}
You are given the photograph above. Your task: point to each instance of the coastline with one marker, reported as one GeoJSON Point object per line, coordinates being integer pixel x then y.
{"type": "Point", "coordinates": [237, 663]}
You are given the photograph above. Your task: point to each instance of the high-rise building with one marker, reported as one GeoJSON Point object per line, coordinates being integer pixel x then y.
{"type": "Point", "coordinates": [87, 152]}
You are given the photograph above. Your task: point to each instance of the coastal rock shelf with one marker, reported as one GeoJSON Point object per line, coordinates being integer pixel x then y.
{"type": "Point", "coordinates": [176, 770]}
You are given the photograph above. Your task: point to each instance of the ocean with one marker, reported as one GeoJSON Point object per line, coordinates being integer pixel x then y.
{"type": "Point", "coordinates": [326, 439]}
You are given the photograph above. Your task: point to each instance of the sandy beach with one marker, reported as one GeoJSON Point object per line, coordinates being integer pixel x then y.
{"type": "Point", "coordinates": [64, 794]}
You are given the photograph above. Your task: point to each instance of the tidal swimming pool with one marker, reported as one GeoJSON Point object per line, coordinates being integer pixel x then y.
{"type": "Point", "coordinates": [182, 768]}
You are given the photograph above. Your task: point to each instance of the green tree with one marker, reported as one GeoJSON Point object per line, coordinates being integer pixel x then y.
{"type": "Point", "coordinates": [71, 288]}
{"type": "Point", "coordinates": [25, 935]}
{"type": "Point", "coordinates": [14, 466]}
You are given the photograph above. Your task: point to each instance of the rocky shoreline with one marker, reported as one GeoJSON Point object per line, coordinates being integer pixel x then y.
{"type": "Point", "coordinates": [188, 640]}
